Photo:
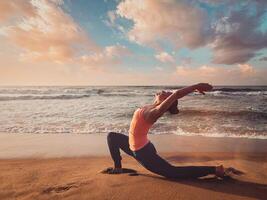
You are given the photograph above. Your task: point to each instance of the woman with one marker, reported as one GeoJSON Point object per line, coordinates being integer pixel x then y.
{"type": "Point", "coordinates": [138, 146]}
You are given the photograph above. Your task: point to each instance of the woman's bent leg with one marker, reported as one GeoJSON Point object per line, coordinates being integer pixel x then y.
{"type": "Point", "coordinates": [154, 163]}
{"type": "Point", "coordinates": [162, 167]}
{"type": "Point", "coordinates": [117, 141]}
{"type": "Point", "coordinates": [192, 171]}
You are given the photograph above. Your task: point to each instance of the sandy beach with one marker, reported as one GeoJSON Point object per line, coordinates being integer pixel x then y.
{"type": "Point", "coordinates": [47, 167]}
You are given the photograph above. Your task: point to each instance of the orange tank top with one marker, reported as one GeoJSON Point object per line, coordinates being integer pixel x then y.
{"type": "Point", "coordinates": [138, 130]}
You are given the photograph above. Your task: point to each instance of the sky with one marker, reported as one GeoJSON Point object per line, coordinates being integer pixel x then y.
{"type": "Point", "coordinates": [133, 42]}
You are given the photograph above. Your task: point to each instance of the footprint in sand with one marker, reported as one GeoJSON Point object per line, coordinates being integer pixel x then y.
{"type": "Point", "coordinates": [59, 189]}
{"type": "Point", "coordinates": [63, 188]}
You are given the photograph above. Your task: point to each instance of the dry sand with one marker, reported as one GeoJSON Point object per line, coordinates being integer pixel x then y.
{"type": "Point", "coordinates": [53, 172]}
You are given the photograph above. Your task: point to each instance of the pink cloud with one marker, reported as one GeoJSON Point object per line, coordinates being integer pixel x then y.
{"type": "Point", "coordinates": [247, 70]}
{"type": "Point", "coordinates": [237, 74]}
{"type": "Point", "coordinates": [109, 56]}
{"type": "Point", "coordinates": [14, 8]}
{"type": "Point", "coordinates": [155, 20]}
{"type": "Point", "coordinates": [203, 71]}
{"type": "Point", "coordinates": [44, 32]}
{"type": "Point", "coordinates": [164, 57]}
{"type": "Point", "coordinates": [234, 35]}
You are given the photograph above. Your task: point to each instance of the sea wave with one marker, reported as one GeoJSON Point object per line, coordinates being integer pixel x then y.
{"type": "Point", "coordinates": [237, 93]}
{"type": "Point", "coordinates": [236, 112]}
{"type": "Point", "coordinates": [69, 93]}
{"type": "Point", "coordinates": [188, 113]}
{"type": "Point", "coordinates": [42, 97]}
{"type": "Point", "coordinates": [40, 93]}
{"type": "Point", "coordinates": [249, 135]}
{"type": "Point", "coordinates": [253, 134]}
{"type": "Point", "coordinates": [224, 89]}
{"type": "Point", "coordinates": [245, 113]}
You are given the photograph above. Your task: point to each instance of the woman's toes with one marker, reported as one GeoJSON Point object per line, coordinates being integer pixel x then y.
{"type": "Point", "coordinates": [232, 170]}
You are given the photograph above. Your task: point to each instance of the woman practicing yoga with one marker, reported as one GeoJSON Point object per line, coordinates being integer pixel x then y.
{"type": "Point", "coordinates": [138, 146]}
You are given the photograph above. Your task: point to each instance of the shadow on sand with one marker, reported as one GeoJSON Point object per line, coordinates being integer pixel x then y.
{"type": "Point", "coordinates": [260, 157]}
{"type": "Point", "coordinates": [228, 185]}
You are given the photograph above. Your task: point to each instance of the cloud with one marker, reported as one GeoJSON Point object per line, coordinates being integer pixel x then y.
{"type": "Point", "coordinates": [237, 74]}
{"type": "Point", "coordinates": [47, 35]}
{"type": "Point", "coordinates": [161, 19]}
{"type": "Point", "coordinates": [232, 32]}
{"type": "Point", "coordinates": [112, 16]}
{"type": "Point", "coordinates": [45, 32]}
{"type": "Point", "coordinates": [203, 71]}
{"type": "Point", "coordinates": [109, 56]}
{"type": "Point", "coordinates": [238, 36]}
{"type": "Point", "coordinates": [263, 58]}
{"type": "Point", "coordinates": [11, 9]}
{"type": "Point", "coordinates": [246, 69]}
{"type": "Point", "coordinates": [111, 22]}
{"type": "Point", "coordinates": [159, 68]}
{"type": "Point", "coordinates": [186, 60]}
{"type": "Point", "coordinates": [164, 57]}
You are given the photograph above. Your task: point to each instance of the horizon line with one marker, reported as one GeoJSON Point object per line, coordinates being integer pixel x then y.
{"type": "Point", "coordinates": [122, 85]}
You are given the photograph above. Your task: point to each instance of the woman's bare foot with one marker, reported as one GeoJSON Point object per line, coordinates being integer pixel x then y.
{"type": "Point", "coordinates": [222, 172]}
{"type": "Point", "coordinates": [231, 170]}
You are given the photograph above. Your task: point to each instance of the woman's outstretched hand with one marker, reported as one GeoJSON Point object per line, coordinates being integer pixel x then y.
{"type": "Point", "coordinates": [203, 87]}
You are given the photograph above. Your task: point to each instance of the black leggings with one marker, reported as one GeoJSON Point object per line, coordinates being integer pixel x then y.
{"type": "Point", "coordinates": [148, 157]}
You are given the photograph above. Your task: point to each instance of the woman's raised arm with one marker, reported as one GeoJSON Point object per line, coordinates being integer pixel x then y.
{"type": "Point", "coordinates": [165, 105]}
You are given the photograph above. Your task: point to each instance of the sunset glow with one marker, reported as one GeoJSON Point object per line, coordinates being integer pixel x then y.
{"type": "Point", "coordinates": [133, 42]}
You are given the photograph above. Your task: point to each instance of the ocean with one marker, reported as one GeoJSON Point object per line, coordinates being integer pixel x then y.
{"type": "Point", "coordinates": [227, 111]}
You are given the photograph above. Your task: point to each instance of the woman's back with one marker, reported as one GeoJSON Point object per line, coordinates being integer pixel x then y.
{"type": "Point", "coordinates": [138, 130]}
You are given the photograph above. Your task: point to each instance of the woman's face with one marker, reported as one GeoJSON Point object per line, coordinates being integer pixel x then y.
{"type": "Point", "coordinates": [161, 96]}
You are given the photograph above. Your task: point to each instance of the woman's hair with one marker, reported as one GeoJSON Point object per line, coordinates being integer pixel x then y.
{"type": "Point", "coordinates": [174, 108]}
